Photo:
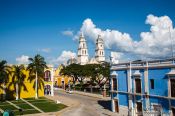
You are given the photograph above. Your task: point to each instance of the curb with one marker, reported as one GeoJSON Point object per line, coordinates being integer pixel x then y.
{"type": "Point", "coordinates": [66, 109]}
{"type": "Point", "coordinates": [87, 94]}
{"type": "Point", "coordinates": [84, 94]}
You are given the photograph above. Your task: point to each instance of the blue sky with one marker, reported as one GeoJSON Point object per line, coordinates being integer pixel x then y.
{"type": "Point", "coordinates": [29, 26]}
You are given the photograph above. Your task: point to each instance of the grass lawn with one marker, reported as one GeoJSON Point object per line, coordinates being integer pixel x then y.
{"type": "Point", "coordinates": [49, 106]}
{"type": "Point", "coordinates": [46, 105]}
{"type": "Point", "coordinates": [42, 103]}
{"type": "Point", "coordinates": [32, 111]}
{"type": "Point", "coordinates": [25, 106]}
{"type": "Point", "coordinates": [8, 106]}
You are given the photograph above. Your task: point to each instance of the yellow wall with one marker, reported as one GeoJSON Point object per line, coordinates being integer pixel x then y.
{"type": "Point", "coordinates": [23, 94]}
{"type": "Point", "coordinates": [59, 78]}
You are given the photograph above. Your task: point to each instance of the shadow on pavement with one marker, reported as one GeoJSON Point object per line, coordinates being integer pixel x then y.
{"type": "Point", "coordinates": [106, 104]}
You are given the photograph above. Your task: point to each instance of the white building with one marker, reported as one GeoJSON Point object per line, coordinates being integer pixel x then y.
{"type": "Point", "coordinates": [83, 57]}
{"type": "Point", "coordinates": [99, 51]}
{"type": "Point", "coordinates": [82, 51]}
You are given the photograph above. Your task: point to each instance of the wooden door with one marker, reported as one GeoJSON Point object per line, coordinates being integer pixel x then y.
{"type": "Point", "coordinates": [116, 105]}
{"type": "Point", "coordinates": [173, 111]}
{"type": "Point", "coordinates": [139, 109]}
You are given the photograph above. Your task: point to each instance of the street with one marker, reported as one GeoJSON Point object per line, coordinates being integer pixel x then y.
{"type": "Point", "coordinates": [87, 106]}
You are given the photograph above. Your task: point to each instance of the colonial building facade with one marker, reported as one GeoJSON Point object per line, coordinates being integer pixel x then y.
{"type": "Point", "coordinates": [83, 57]}
{"type": "Point", "coordinates": [49, 80]}
{"type": "Point", "coordinates": [143, 87]}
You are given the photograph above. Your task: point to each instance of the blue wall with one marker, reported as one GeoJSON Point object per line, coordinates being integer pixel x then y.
{"type": "Point", "coordinates": [160, 81]}
{"type": "Point", "coordinates": [173, 103]}
{"type": "Point", "coordinates": [123, 99]}
{"type": "Point", "coordinates": [122, 80]}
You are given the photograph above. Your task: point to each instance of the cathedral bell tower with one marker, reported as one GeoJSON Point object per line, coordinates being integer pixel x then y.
{"type": "Point", "coordinates": [99, 51]}
{"type": "Point", "coordinates": [82, 51]}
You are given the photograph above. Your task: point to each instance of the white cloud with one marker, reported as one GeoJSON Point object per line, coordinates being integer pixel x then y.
{"type": "Point", "coordinates": [22, 59]}
{"type": "Point", "coordinates": [46, 50]}
{"type": "Point", "coordinates": [63, 58]}
{"type": "Point", "coordinates": [116, 57]}
{"type": "Point", "coordinates": [68, 33]}
{"type": "Point", "coordinates": [156, 43]}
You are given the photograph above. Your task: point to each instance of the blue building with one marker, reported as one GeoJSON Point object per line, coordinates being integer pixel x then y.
{"type": "Point", "coordinates": [143, 87]}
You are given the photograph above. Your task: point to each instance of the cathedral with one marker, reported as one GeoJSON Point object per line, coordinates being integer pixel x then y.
{"type": "Point", "coordinates": [83, 56]}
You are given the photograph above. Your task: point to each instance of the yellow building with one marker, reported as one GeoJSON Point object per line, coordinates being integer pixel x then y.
{"type": "Point", "coordinates": [60, 80]}
{"type": "Point", "coordinates": [24, 93]}
{"type": "Point", "coordinates": [51, 78]}
{"type": "Point", "coordinates": [48, 89]}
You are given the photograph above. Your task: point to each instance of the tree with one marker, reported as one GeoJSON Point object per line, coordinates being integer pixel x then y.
{"type": "Point", "coordinates": [102, 74]}
{"type": "Point", "coordinates": [36, 72]}
{"type": "Point", "coordinates": [73, 70]}
{"type": "Point", "coordinates": [98, 73]}
{"type": "Point", "coordinates": [4, 75]}
{"type": "Point", "coordinates": [18, 77]}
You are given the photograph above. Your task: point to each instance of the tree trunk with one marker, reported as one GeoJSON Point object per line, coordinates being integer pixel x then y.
{"type": "Point", "coordinates": [91, 89]}
{"type": "Point", "coordinates": [36, 86]}
{"type": "Point", "coordinates": [4, 91]}
{"type": "Point", "coordinates": [17, 91]}
{"type": "Point", "coordinates": [101, 92]}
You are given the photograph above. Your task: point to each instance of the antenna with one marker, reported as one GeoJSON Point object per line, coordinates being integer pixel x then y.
{"type": "Point", "coordinates": [171, 43]}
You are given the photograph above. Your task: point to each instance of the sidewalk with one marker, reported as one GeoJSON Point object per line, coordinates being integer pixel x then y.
{"type": "Point", "coordinates": [66, 101]}
{"type": "Point", "coordinates": [86, 94]}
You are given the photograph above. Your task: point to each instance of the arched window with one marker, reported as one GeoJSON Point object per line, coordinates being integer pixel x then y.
{"type": "Point", "coordinates": [47, 75]}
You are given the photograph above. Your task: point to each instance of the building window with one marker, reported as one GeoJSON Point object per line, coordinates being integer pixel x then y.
{"type": "Point", "coordinates": [172, 81]}
{"type": "Point", "coordinates": [114, 80]}
{"type": "Point", "coordinates": [47, 76]}
{"type": "Point", "coordinates": [139, 109]}
{"type": "Point", "coordinates": [152, 83]}
{"type": "Point", "coordinates": [138, 85]}
{"type": "Point", "coordinates": [85, 52]}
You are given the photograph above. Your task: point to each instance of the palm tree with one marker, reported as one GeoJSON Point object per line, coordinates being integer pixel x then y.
{"type": "Point", "coordinates": [18, 79]}
{"type": "Point", "coordinates": [4, 75]}
{"type": "Point", "coordinates": [36, 68]}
